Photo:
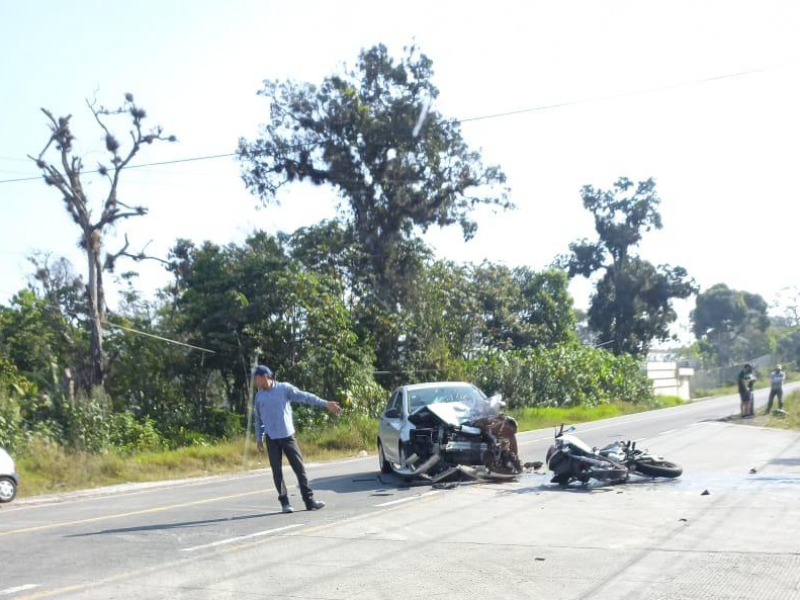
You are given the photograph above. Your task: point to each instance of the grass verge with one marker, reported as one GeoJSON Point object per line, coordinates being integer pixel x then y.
{"type": "Point", "coordinates": [539, 418]}
{"type": "Point", "coordinates": [729, 390]}
{"type": "Point", "coordinates": [791, 404]}
{"type": "Point", "coordinates": [48, 468]}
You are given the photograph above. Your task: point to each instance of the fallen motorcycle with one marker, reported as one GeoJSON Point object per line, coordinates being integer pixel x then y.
{"type": "Point", "coordinates": [570, 459]}
{"type": "Point", "coordinates": [639, 461]}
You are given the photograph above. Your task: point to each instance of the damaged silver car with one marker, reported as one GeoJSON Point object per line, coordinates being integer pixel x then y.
{"type": "Point", "coordinates": [439, 430]}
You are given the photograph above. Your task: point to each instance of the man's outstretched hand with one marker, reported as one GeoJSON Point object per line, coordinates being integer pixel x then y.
{"type": "Point", "coordinates": [333, 407]}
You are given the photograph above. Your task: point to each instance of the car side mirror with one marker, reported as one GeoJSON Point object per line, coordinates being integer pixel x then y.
{"type": "Point", "coordinates": [392, 413]}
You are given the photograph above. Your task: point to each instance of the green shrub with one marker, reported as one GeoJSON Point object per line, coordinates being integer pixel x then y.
{"type": "Point", "coordinates": [562, 375]}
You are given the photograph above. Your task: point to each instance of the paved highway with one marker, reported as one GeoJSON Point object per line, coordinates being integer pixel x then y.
{"type": "Point", "coordinates": [224, 537]}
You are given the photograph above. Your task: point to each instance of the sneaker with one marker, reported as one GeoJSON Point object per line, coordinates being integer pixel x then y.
{"type": "Point", "coordinates": [287, 508]}
{"type": "Point", "coordinates": [314, 504]}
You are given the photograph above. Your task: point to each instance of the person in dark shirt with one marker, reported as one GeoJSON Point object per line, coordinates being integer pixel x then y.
{"type": "Point", "coordinates": [746, 382]}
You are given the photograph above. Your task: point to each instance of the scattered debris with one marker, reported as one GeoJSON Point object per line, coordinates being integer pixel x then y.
{"type": "Point", "coordinates": [683, 520]}
{"type": "Point", "coordinates": [533, 466]}
{"type": "Point", "coordinates": [538, 558]}
{"type": "Point", "coordinates": [753, 470]}
{"type": "Point", "coordinates": [445, 486]}
{"type": "Point", "coordinates": [363, 454]}
{"type": "Point", "coordinates": [706, 493]}
{"type": "Point", "coordinates": [382, 493]}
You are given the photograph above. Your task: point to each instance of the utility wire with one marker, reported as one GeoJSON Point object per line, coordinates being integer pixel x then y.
{"type": "Point", "coordinates": [465, 120]}
{"type": "Point", "coordinates": [158, 337]}
{"type": "Point", "coordinates": [612, 96]}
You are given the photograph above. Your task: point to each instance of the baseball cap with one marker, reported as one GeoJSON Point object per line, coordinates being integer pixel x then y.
{"type": "Point", "coordinates": [263, 370]}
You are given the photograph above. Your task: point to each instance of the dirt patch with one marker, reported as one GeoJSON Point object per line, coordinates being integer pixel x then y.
{"type": "Point", "coordinates": [760, 419]}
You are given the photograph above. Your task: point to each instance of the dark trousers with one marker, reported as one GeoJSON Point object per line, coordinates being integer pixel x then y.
{"type": "Point", "coordinates": [772, 394]}
{"type": "Point", "coordinates": [288, 446]}
{"type": "Point", "coordinates": [747, 399]}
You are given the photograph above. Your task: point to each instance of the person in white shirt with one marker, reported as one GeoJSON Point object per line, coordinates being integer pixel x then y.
{"type": "Point", "coordinates": [776, 379]}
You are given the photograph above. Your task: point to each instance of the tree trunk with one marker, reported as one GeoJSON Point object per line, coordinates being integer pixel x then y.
{"type": "Point", "coordinates": [96, 311]}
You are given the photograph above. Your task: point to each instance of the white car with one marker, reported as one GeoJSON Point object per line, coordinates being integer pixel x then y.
{"type": "Point", "coordinates": [9, 480]}
{"type": "Point", "coordinates": [432, 430]}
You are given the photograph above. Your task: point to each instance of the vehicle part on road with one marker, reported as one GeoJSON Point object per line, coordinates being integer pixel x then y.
{"type": "Point", "coordinates": [437, 431]}
{"type": "Point", "coordinates": [570, 459]}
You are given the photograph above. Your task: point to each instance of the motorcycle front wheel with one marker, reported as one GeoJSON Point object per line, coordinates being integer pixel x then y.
{"type": "Point", "coordinates": [657, 468]}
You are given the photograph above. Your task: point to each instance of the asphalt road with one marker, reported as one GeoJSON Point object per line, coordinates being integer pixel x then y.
{"type": "Point", "coordinates": [223, 537]}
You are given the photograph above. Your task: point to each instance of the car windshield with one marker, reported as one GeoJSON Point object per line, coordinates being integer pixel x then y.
{"type": "Point", "coordinates": [467, 394]}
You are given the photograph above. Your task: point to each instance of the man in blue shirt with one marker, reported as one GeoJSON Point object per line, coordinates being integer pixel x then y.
{"type": "Point", "coordinates": [273, 422]}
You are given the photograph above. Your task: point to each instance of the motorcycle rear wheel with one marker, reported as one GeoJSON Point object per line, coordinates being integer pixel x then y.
{"type": "Point", "coordinates": [658, 468]}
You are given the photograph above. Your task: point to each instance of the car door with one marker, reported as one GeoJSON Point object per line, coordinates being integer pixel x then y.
{"type": "Point", "coordinates": [390, 423]}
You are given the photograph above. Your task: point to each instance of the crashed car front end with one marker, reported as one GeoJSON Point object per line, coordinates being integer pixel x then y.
{"type": "Point", "coordinates": [442, 440]}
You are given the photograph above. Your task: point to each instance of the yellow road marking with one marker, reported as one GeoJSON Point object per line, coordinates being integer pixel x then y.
{"type": "Point", "coordinates": [127, 514]}
{"type": "Point", "coordinates": [266, 540]}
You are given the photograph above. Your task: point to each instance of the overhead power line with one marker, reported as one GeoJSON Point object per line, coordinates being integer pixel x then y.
{"type": "Point", "coordinates": [611, 96]}
{"type": "Point", "coordinates": [464, 120]}
{"type": "Point", "coordinates": [158, 337]}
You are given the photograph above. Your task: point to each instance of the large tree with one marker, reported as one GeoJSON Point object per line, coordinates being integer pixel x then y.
{"type": "Point", "coordinates": [731, 321]}
{"type": "Point", "coordinates": [66, 173]}
{"type": "Point", "coordinates": [632, 303]}
{"type": "Point", "coordinates": [522, 308]}
{"type": "Point", "coordinates": [374, 134]}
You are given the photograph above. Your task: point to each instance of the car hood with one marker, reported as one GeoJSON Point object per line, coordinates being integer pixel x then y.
{"type": "Point", "coordinates": [452, 413]}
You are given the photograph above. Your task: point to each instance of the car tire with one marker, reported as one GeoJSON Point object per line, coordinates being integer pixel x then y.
{"type": "Point", "coordinates": [385, 467]}
{"type": "Point", "coordinates": [8, 489]}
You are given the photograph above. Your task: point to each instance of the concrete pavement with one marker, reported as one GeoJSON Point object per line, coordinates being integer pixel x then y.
{"type": "Point", "coordinates": [223, 537]}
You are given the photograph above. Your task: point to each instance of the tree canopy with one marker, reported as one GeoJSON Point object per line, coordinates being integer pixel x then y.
{"type": "Point", "coordinates": [632, 303]}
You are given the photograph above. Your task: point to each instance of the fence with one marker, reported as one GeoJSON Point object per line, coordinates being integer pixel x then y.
{"type": "Point", "coordinates": [723, 376]}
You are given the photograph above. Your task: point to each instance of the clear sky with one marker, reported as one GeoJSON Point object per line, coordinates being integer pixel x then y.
{"type": "Point", "coordinates": [702, 96]}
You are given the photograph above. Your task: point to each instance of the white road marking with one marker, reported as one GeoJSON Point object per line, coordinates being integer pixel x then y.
{"type": "Point", "coordinates": [241, 538]}
{"type": "Point", "coordinates": [19, 588]}
{"type": "Point", "coordinates": [414, 497]}
{"type": "Point", "coordinates": [667, 431]}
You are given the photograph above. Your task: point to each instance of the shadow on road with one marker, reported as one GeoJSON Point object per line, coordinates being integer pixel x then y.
{"type": "Point", "coordinates": [160, 526]}
{"type": "Point", "coordinates": [367, 481]}
{"type": "Point", "coordinates": [792, 462]}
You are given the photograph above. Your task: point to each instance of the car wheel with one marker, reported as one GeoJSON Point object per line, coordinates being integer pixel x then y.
{"type": "Point", "coordinates": [401, 469]}
{"type": "Point", "coordinates": [8, 489]}
{"type": "Point", "coordinates": [385, 467]}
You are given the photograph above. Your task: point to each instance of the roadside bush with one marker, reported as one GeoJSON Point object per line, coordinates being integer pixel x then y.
{"type": "Point", "coordinates": [128, 434]}
{"type": "Point", "coordinates": [11, 431]}
{"type": "Point", "coordinates": [562, 375]}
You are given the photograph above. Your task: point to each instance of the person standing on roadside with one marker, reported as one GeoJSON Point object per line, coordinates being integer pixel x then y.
{"type": "Point", "coordinates": [776, 379]}
{"type": "Point", "coordinates": [274, 424]}
{"type": "Point", "coordinates": [746, 382]}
